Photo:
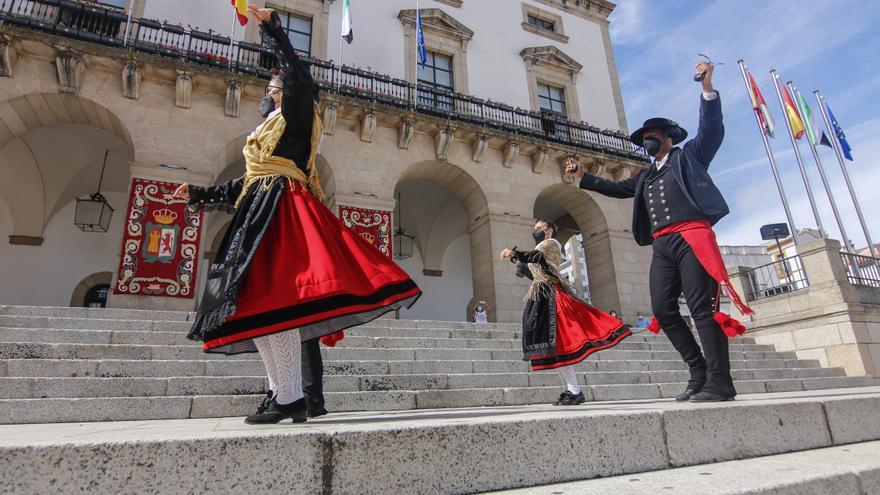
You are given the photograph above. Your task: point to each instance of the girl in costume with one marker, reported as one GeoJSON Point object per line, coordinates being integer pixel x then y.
{"type": "Point", "coordinates": [559, 329]}
{"type": "Point", "coordinates": [288, 270]}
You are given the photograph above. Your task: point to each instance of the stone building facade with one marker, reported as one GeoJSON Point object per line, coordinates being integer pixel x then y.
{"type": "Point", "coordinates": [466, 175]}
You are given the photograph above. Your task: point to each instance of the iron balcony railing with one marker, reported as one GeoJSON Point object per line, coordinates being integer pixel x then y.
{"type": "Point", "coordinates": [95, 23]}
{"type": "Point", "coordinates": [780, 277]}
{"type": "Point", "coordinates": [861, 270]}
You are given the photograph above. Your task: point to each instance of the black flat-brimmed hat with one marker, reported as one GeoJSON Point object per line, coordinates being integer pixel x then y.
{"type": "Point", "coordinates": [670, 127]}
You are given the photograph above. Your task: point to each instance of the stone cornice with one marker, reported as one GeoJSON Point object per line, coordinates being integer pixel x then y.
{"type": "Point", "coordinates": [436, 19]}
{"type": "Point", "coordinates": [552, 57]}
{"type": "Point", "coordinates": [595, 10]}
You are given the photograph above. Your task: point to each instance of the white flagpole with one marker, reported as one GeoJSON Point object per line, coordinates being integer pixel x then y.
{"type": "Point", "coordinates": [341, 36]}
{"type": "Point", "coordinates": [128, 23]}
{"type": "Point", "coordinates": [773, 168]}
{"type": "Point", "coordinates": [797, 96]}
{"type": "Point", "coordinates": [417, 58]}
{"type": "Point", "coordinates": [797, 154]}
{"type": "Point", "coordinates": [232, 36]}
{"type": "Point", "coordinates": [835, 143]}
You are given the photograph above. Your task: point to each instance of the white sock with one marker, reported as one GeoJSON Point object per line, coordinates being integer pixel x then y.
{"type": "Point", "coordinates": [569, 378]}
{"type": "Point", "coordinates": [286, 359]}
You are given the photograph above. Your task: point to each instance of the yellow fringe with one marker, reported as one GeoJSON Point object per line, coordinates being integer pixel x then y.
{"type": "Point", "coordinates": [264, 168]}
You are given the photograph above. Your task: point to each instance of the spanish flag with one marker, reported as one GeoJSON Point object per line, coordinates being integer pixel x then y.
{"type": "Point", "coordinates": [794, 118]}
{"type": "Point", "coordinates": [240, 10]}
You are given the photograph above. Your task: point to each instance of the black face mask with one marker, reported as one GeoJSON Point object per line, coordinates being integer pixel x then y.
{"type": "Point", "coordinates": [651, 145]}
{"type": "Point", "coordinates": [267, 105]}
{"type": "Point", "coordinates": [539, 236]}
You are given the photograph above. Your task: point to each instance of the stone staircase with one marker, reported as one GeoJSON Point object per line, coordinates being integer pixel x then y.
{"type": "Point", "coordinates": [81, 365]}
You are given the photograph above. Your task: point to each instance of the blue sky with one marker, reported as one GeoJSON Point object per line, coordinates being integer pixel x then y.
{"type": "Point", "coordinates": [830, 45]}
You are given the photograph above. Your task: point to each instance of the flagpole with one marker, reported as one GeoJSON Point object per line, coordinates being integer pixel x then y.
{"type": "Point", "coordinates": [776, 177]}
{"type": "Point", "coordinates": [232, 36]}
{"type": "Point", "coordinates": [797, 155]}
{"type": "Point", "coordinates": [797, 96]}
{"type": "Point", "coordinates": [835, 143]}
{"type": "Point", "coordinates": [128, 23]}
{"type": "Point", "coordinates": [416, 59]}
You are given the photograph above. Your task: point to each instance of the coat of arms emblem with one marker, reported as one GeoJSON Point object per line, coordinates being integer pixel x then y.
{"type": "Point", "coordinates": [162, 237]}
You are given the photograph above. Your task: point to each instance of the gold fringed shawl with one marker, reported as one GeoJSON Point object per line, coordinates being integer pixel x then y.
{"type": "Point", "coordinates": [264, 168]}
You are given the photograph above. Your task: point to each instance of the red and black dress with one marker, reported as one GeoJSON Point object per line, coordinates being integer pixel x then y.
{"type": "Point", "coordinates": [287, 262]}
{"type": "Point", "coordinates": [559, 329]}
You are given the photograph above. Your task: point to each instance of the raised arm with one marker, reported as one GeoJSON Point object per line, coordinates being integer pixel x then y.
{"type": "Point", "coordinates": [710, 133]}
{"type": "Point", "coordinates": [622, 189]}
{"type": "Point", "coordinates": [295, 70]}
{"type": "Point", "coordinates": [226, 193]}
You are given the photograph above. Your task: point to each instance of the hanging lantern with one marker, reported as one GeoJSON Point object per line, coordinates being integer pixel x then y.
{"type": "Point", "coordinates": [403, 242]}
{"type": "Point", "coordinates": [93, 213]}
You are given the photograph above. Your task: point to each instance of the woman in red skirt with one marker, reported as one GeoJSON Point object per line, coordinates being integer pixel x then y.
{"type": "Point", "coordinates": [559, 329]}
{"type": "Point", "coordinates": [287, 270]}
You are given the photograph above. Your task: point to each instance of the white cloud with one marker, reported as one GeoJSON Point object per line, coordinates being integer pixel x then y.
{"type": "Point", "coordinates": [627, 23]}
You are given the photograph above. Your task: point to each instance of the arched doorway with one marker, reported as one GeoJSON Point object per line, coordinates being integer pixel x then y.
{"type": "Point", "coordinates": [439, 204]}
{"type": "Point", "coordinates": [53, 159]}
{"type": "Point", "coordinates": [584, 231]}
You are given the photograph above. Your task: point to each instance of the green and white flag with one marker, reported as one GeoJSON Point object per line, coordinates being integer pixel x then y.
{"type": "Point", "coordinates": [811, 121]}
{"type": "Point", "coordinates": [347, 32]}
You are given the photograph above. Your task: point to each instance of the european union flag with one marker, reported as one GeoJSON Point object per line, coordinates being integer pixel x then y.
{"type": "Point", "coordinates": [420, 36]}
{"type": "Point", "coordinates": [844, 146]}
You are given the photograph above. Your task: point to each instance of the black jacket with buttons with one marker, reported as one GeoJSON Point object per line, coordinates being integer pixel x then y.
{"type": "Point", "coordinates": [256, 210]}
{"type": "Point", "coordinates": [689, 166]}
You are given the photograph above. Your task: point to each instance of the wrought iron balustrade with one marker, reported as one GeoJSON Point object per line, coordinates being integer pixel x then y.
{"type": "Point", "coordinates": [780, 277]}
{"type": "Point", "coordinates": [96, 23]}
{"type": "Point", "coordinates": [861, 270]}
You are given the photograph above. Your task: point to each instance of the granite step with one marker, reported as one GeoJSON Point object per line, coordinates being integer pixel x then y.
{"type": "Point", "coordinates": [425, 452]}
{"type": "Point", "coordinates": [852, 469]}
{"type": "Point", "coordinates": [234, 367]}
{"type": "Point", "coordinates": [84, 387]}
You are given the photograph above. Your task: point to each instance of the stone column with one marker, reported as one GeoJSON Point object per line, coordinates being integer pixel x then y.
{"type": "Point", "coordinates": [495, 280]}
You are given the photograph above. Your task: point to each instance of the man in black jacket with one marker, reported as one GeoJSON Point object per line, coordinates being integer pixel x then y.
{"type": "Point", "coordinates": [674, 199]}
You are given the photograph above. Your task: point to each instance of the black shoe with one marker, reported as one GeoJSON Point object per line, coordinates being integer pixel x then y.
{"type": "Point", "coordinates": [711, 397]}
{"type": "Point", "coordinates": [279, 412]}
{"type": "Point", "coordinates": [569, 399]}
{"type": "Point", "coordinates": [687, 394]}
{"type": "Point", "coordinates": [265, 404]}
{"type": "Point", "coordinates": [314, 412]}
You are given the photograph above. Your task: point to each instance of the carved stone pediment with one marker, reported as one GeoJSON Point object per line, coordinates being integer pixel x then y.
{"type": "Point", "coordinates": [552, 58]}
{"type": "Point", "coordinates": [439, 21]}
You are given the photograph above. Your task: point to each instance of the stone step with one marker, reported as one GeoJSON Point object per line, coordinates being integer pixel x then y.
{"type": "Point", "coordinates": [852, 469]}
{"type": "Point", "coordinates": [237, 367]}
{"type": "Point", "coordinates": [83, 387]}
{"type": "Point", "coordinates": [207, 397]}
{"type": "Point", "coordinates": [96, 313]}
{"type": "Point", "coordinates": [411, 341]}
{"type": "Point", "coordinates": [21, 350]}
{"type": "Point", "coordinates": [425, 452]}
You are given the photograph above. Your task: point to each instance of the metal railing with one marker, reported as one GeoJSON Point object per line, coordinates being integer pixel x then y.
{"type": "Point", "coordinates": [861, 270]}
{"type": "Point", "coordinates": [780, 277]}
{"type": "Point", "coordinates": [89, 21]}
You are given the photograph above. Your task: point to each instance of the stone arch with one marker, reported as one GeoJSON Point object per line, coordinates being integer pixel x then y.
{"type": "Point", "coordinates": [79, 292]}
{"type": "Point", "coordinates": [51, 151]}
{"type": "Point", "coordinates": [449, 218]}
{"type": "Point", "coordinates": [575, 211]}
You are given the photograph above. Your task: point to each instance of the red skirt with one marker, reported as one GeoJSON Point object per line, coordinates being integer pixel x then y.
{"type": "Point", "coordinates": [580, 331]}
{"type": "Point", "coordinates": [313, 274]}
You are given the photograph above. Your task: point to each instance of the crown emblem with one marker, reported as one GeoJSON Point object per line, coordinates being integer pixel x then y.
{"type": "Point", "coordinates": [369, 237]}
{"type": "Point", "coordinates": [164, 216]}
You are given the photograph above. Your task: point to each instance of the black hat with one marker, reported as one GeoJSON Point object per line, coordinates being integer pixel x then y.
{"type": "Point", "coordinates": [670, 127]}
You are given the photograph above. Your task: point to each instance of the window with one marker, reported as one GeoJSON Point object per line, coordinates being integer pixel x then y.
{"type": "Point", "coordinates": [436, 72]}
{"type": "Point", "coordinates": [299, 32]}
{"type": "Point", "coordinates": [552, 99]}
{"type": "Point", "coordinates": [96, 297]}
{"type": "Point", "coordinates": [542, 23]}
{"type": "Point", "coordinates": [119, 4]}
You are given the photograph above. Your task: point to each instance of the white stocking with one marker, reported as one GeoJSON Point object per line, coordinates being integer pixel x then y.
{"type": "Point", "coordinates": [286, 365]}
{"type": "Point", "coordinates": [569, 378]}
{"type": "Point", "coordinates": [262, 344]}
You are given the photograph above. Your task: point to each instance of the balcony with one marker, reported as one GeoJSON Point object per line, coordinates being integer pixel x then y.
{"type": "Point", "coordinates": [94, 23]}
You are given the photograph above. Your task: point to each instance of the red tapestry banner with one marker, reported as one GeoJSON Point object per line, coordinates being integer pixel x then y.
{"type": "Point", "coordinates": [161, 243]}
{"type": "Point", "coordinates": [372, 225]}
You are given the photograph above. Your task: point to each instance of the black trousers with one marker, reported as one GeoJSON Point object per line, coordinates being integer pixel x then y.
{"type": "Point", "coordinates": [313, 374]}
{"type": "Point", "coordinates": [675, 269]}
